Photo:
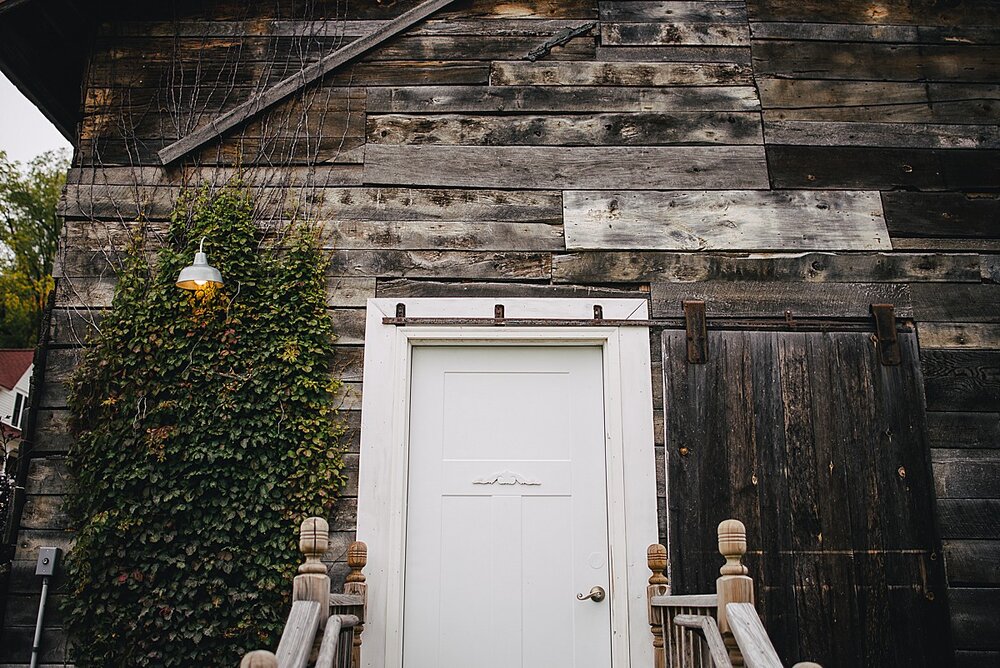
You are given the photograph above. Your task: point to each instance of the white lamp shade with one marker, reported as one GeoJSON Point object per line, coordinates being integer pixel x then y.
{"type": "Point", "coordinates": [199, 275]}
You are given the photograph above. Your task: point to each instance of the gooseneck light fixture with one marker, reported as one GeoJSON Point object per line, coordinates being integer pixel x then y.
{"type": "Point", "coordinates": [200, 274]}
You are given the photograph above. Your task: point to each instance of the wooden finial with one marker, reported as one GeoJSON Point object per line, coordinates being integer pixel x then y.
{"type": "Point", "coordinates": [312, 583]}
{"type": "Point", "coordinates": [732, 546]}
{"type": "Point", "coordinates": [357, 559]}
{"type": "Point", "coordinates": [656, 559]}
{"type": "Point", "coordinates": [314, 541]}
{"type": "Point", "coordinates": [733, 585]}
{"type": "Point", "coordinates": [260, 658]}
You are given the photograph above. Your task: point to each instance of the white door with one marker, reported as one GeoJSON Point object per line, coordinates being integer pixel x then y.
{"type": "Point", "coordinates": [506, 515]}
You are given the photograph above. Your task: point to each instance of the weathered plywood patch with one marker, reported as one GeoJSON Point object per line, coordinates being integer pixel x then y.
{"type": "Point", "coordinates": [724, 220]}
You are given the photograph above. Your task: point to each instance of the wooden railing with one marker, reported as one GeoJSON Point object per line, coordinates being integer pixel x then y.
{"type": "Point", "coordinates": [718, 630]}
{"type": "Point", "coordinates": [340, 617]}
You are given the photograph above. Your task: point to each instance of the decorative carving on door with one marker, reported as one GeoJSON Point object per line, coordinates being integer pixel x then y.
{"type": "Point", "coordinates": [505, 478]}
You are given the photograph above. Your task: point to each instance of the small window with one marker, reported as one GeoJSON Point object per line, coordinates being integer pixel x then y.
{"type": "Point", "coordinates": [19, 405]}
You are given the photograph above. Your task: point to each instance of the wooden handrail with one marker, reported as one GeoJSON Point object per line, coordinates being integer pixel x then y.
{"type": "Point", "coordinates": [341, 616]}
{"type": "Point", "coordinates": [709, 632]}
{"type": "Point", "coordinates": [682, 638]}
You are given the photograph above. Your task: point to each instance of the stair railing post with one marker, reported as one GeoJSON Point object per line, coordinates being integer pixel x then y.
{"type": "Point", "coordinates": [659, 585]}
{"type": "Point", "coordinates": [733, 585]}
{"type": "Point", "coordinates": [357, 559]}
{"type": "Point", "coordinates": [312, 583]}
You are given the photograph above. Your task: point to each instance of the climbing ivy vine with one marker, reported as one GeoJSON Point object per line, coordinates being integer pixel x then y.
{"type": "Point", "coordinates": [206, 428]}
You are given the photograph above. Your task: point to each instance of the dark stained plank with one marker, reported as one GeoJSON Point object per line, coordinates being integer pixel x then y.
{"type": "Point", "coordinates": [632, 129]}
{"type": "Point", "coordinates": [674, 33]}
{"type": "Point", "coordinates": [635, 266]}
{"type": "Point", "coordinates": [872, 61]}
{"type": "Point", "coordinates": [964, 430]}
{"type": "Point", "coordinates": [857, 168]}
{"type": "Point", "coordinates": [966, 474]}
{"type": "Point", "coordinates": [891, 135]}
{"type": "Point", "coordinates": [969, 518]}
{"type": "Point", "coordinates": [675, 54]}
{"type": "Point", "coordinates": [878, 101]}
{"type": "Point", "coordinates": [906, 12]}
{"type": "Point", "coordinates": [942, 214]}
{"type": "Point", "coordinates": [946, 245]}
{"type": "Point", "coordinates": [16, 642]}
{"type": "Point", "coordinates": [748, 299]}
{"type": "Point", "coordinates": [567, 73]}
{"type": "Point", "coordinates": [974, 620]}
{"type": "Point", "coordinates": [853, 32]}
{"type": "Point", "coordinates": [724, 220]}
{"type": "Point", "coordinates": [972, 562]}
{"type": "Point", "coordinates": [44, 511]}
{"type": "Point", "coordinates": [961, 380]}
{"type": "Point", "coordinates": [567, 168]}
{"type": "Point", "coordinates": [956, 302]}
{"type": "Point", "coordinates": [567, 99]}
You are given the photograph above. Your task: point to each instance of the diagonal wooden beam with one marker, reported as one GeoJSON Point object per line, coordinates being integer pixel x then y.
{"type": "Point", "coordinates": [297, 81]}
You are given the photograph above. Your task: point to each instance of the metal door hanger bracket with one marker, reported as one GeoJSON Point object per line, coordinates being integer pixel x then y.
{"type": "Point", "coordinates": [889, 351]}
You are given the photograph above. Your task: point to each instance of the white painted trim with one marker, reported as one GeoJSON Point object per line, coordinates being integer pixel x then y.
{"type": "Point", "coordinates": [628, 420]}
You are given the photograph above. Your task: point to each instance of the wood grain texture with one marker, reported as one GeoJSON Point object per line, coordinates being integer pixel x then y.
{"type": "Point", "coordinates": [964, 430]}
{"type": "Point", "coordinates": [956, 302]}
{"type": "Point", "coordinates": [960, 380]}
{"type": "Point", "coordinates": [854, 32]}
{"type": "Point", "coordinates": [905, 12]}
{"type": "Point", "coordinates": [974, 621]}
{"type": "Point", "coordinates": [724, 220]}
{"type": "Point", "coordinates": [636, 266]}
{"type": "Point", "coordinates": [966, 474]}
{"type": "Point", "coordinates": [676, 33]}
{"type": "Point", "coordinates": [633, 129]}
{"type": "Point", "coordinates": [950, 215]}
{"type": "Point", "coordinates": [655, 11]}
{"type": "Point", "coordinates": [891, 135]}
{"type": "Point", "coordinates": [675, 54]}
{"type": "Point", "coordinates": [567, 99]}
{"type": "Point", "coordinates": [872, 61]}
{"type": "Point", "coordinates": [966, 336]}
{"type": "Point", "coordinates": [567, 73]}
{"type": "Point", "coordinates": [969, 518]}
{"type": "Point", "coordinates": [732, 299]}
{"type": "Point", "coordinates": [567, 168]}
{"type": "Point", "coordinates": [972, 561]}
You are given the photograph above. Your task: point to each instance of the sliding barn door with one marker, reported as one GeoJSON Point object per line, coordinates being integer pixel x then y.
{"type": "Point", "coordinates": [822, 452]}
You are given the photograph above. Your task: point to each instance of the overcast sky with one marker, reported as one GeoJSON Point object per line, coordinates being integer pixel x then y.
{"type": "Point", "coordinates": [24, 131]}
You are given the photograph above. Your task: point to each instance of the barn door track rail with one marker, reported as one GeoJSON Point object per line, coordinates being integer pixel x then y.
{"type": "Point", "coordinates": [696, 325]}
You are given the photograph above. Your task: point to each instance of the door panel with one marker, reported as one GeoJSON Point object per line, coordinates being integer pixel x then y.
{"type": "Point", "coordinates": [506, 508]}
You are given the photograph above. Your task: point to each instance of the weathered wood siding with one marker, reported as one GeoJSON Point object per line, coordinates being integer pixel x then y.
{"type": "Point", "coordinates": [811, 156]}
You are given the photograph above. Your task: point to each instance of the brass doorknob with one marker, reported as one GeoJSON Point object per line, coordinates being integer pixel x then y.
{"type": "Point", "coordinates": [596, 595]}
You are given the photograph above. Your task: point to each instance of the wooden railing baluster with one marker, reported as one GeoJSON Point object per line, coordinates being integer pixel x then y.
{"type": "Point", "coordinates": [659, 585]}
{"type": "Point", "coordinates": [733, 585]}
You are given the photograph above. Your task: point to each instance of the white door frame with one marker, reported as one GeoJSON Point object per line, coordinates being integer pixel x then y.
{"type": "Point", "coordinates": [631, 470]}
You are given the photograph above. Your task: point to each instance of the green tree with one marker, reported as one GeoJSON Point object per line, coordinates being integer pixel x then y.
{"type": "Point", "coordinates": [29, 235]}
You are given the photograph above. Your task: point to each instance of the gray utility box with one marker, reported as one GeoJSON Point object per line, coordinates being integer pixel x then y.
{"type": "Point", "coordinates": [47, 558]}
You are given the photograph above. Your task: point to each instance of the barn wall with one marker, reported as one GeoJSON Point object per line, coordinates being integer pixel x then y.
{"type": "Point", "coordinates": [767, 155]}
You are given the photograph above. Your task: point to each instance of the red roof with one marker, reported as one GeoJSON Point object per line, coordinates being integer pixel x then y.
{"type": "Point", "coordinates": [13, 363]}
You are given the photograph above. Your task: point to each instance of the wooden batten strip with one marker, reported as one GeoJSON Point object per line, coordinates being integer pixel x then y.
{"type": "Point", "coordinates": [724, 220]}
{"type": "Point", "coordinates": [295, 82]}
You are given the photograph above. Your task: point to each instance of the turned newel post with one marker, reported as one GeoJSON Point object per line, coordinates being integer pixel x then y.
{"type": "Point", "coordinates": [312, 583]}
{"type": "Point", "coordinates": [656, 559]}
{"type": "Point", "coordinates": [357, 559]}
{"type": "Point", "coordinates": [733, 585]}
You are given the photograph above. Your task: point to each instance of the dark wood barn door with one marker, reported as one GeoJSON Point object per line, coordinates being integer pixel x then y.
{"type": "Point", "coordinates": [823, 453]}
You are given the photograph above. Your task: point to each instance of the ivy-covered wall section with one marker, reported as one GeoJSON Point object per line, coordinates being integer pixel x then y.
{"type": "Point", "coordinates": [206, 428]}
